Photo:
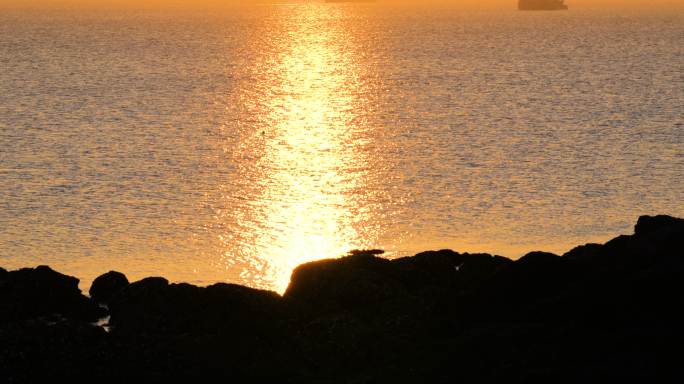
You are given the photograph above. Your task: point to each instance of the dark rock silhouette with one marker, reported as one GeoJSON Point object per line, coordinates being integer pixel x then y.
{"type": "Point", "coordinates": [154, 305]}
{"type": "Point", "coordinates": [30, 293]}
{"type": "Point", "coordinates": [600, 313]}
{"type": "Point", "coordinates": [364, 280]}
{"type": "Point", "coordinates": [583, 252]}
{"type": "Point", "coordinates": [104, 287]}
{"type": "Point", "coordinates": [358, 281]}
{"type": "Point", "coordinates": [650, 224]}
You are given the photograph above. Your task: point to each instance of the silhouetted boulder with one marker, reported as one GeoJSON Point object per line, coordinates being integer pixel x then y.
{"type": "Point", "coordinates": [527, 288]}
{"type": "Point", "coordinates": [657, 240]}
{"type": "Point", "coordinates": [537, 260]}
{"type": "Point", "coordinates": [355, 282]}
{"type": "Point", "coordinates": [222, 331]}
{"type": "Point", "coordinates": [649, 224]}
{"type": "Point", "coordinates": [447, 269]}
{"type": "Point", "coordinates": [29, 293]}
{"type": "Point", "coordinates": [154, 305]}
{"type": "Point", "coordinates": [104, 287]}
{"type": "Point", "coordinates": [530, 273]}
{"type": "Point", "coordinates": [584, 253]}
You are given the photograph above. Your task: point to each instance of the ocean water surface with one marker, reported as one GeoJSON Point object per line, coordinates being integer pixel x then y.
{"type": "Point", "coordinates": [234, 145]}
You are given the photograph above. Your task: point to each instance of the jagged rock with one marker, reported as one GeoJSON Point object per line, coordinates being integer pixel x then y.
{"type": "Point", "coordinates": [536, 262]}
{"type": "Point", "coordinates": [221, 331]}
{"type": "Point", "coordinates": [649, 224]}
{"type": "Point", "coordinates": [104, 287]}
{"type": "Point", "coordinates": [154, 305]}
{"type": "Point", "coordinates": [448, 269]}
{"type": "Point", "coordinates": [29, 293]}
{"type": "Point", "coordinates": [355, 282]}
{"type": "Point", "coordinates": [657, 240]}
{"type": "Point", "coordinates": [530, 273]}
{"type": "Point", "coordinates": [584, 253]}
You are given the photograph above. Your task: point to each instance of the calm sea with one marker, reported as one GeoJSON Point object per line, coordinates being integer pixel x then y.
{"type": "Point", "coordinates": [235, 145]}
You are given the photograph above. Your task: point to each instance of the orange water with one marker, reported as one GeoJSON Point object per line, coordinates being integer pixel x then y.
{"type": "Point", "coordinates": [234, 146]}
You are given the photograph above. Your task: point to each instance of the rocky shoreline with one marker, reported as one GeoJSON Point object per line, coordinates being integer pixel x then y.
{"type": "Point", "coordinates": [599, 313]}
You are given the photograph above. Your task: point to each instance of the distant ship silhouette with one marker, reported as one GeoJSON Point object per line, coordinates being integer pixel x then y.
{"type": "Point", "coordinates": [542, 5]}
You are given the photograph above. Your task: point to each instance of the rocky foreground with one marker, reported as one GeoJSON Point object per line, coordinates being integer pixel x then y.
{"type": "Point", "coordinates": [599, 313]}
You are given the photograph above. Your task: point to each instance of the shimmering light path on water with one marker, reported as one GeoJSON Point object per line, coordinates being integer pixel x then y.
{"type": "Point", "coordinates": [311, 182]}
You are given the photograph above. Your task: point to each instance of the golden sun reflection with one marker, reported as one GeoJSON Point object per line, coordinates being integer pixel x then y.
{"type": "Point", "coordinates": [305, 164]}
